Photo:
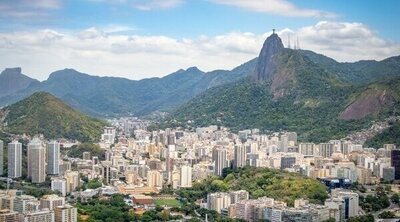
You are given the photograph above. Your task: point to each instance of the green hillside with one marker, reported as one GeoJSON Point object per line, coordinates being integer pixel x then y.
{"type": "Point", "coordinates": [260, 182]}
{"type": "Point", "coordinates": [388, 136]}
{"type": "Point", "coordinates": [298, 96]}
{"type": "Point", "coordinates": [44, 114]}
{"type": "Point", "coordinates": [308, 102]}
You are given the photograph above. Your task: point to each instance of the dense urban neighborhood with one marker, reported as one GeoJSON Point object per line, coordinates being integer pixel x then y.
{"type": "Point", "coordinates": [211, 173]}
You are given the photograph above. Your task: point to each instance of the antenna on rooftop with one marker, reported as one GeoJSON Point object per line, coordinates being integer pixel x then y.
{"type": "Point", "coordinates": [273, 31]}
{"type": "Point", "coordinates": [289, 40]}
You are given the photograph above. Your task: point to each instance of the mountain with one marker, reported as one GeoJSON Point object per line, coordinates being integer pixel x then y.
{"type": "Point", "coordinates": [290, 91]}
{"type": "Point", "coordinates": [358, 73]}
{"type": "Point", "coordinates": [42, 113]}
{"type": "Point", "coordinates": [12, 81]}
{"type": "Point", "coordinates": [265, 67]}
{"type": "Point", "coordinates": [282, 68]}
{"type": "Point", "coordinates": [373, 100]}
{"type": "Point", "coordinates": [102, 96]}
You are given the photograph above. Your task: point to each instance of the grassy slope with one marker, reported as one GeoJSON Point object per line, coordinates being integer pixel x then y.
{"type": "Point", "coordinates": [44, 114]}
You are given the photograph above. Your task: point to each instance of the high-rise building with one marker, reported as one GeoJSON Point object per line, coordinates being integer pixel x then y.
{"type": "Point", "coordinates": [171, 139]}
{"type": "Point", "coordinates": [284, 143]}
{"type": "Point", "coordinates": [326, 149]}
{"type": "Point", "coordinates": [218, 201]}
{"type": "Point", "coordinates": [238, 195]}
{"type": "Point", "coordinates": [7, 215]}
{"type": "Point", "coordinates": [109, 135]}
{"type": "Point", "coordinates": [51, 202]}
{"type": "Point", "coordinates": [336, 208]}
{"type": "Point", "coordinates": [36, 161]}
{"type": "Point", "coordinates": [154, 178]}
{"type": "Point", "coordinates": [240, 156]}
{"type": "Point", "coordinates": [72, 179]}
{"type": "Point", "coordinates": [60, 185]}
{"type": "Point", "coordinates": [253, 159]}
{"type": "Point", "coordinates": [287, 162]}
{"type": "Point", "coordinates": [65, 213]}
{"type": "Point", "coordinates": [53, 158]}
{"type": "Point", "coordinates": [307, 149]}
{"type": "Point", "coordinates": [109, 172]}
{"type": "Point", "coordinates": [219, 159]}
{"type": "Point", "coordinates": [25, 203]}
{"type": "Point", "coordinates": [1, 156]}
{"type": "Point", "coordinates": [7, 202]}
{"type": "Point", "coordinates": [38, 216]}
{"type": "Point", "coordinates": [186, 176]}
{"type": "Point", "coordinates": [14, 159]}
{"type": "Point", "coordinates": [64, 167]}
{"type": "Point", "coordinates": [388, 174]}
{"type": "Point", "coordinates": [351, 201]}
{"type": "Point", "coordinates": [395, 161]}
{"type": "Point", "coordinates": [292, 137]}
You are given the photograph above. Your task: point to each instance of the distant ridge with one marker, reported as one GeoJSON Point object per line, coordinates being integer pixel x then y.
{"type": "Point", "coordinates": [111, 96]}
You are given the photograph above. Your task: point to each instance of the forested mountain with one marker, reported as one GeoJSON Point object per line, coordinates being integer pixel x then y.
{"type": "Point", "coordinates": [42, 113]}
{"type": "Point", "coordinates": [291, 91]}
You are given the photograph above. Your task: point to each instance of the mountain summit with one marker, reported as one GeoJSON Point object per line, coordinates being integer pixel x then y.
{"type": "Point", "coordinates": [12, 80]}
{"type": "Point", "coordinates": [265, 66]}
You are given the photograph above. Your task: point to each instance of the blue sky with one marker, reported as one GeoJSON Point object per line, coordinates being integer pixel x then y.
{"type": "Point", "coordinates": [119, 37]}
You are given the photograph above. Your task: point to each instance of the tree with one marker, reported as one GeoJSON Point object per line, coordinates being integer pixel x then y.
{"type": "Point", "coordinates": [94, 184]}
{"type": "Point", "coordinates": [363, 218]}
{"type": "Point", "coordinates": [387, 215]}
{"type": "Point", "coordinates": [395, 198]}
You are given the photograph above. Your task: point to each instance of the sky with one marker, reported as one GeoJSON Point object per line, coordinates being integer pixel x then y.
{"type": "Point", "coordinates": [139, 39]}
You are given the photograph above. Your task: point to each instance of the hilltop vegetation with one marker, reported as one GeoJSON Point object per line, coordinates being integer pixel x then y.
{"type": "Point", "coordinates": [260, 182]}
{"type": "Point", "coordinates": [44, 114]}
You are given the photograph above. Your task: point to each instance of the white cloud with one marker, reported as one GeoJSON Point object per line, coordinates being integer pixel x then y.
{"type": "Point", "coordinates": [23, 9]}
{"type": "Point", "coordinates": [136, 56]}
{"type": "Point", "coordinates": [346, 41]}
{"type": "Point", "coordinates": [146, 4]}
{"type": "Point", "coordinates": [112, 28]}
{"type": "Point", "coordinates": [156, 4]}
{"type": "Point", "coordinates": [277, 7]}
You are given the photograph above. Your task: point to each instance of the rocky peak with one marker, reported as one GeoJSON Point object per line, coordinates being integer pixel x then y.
{"type": "Point", "coordinates": [12, 71]}
{"type": "Point", "coordinates": [12, 80]}
{"type": "Point", "coordinates": [265, 68]}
